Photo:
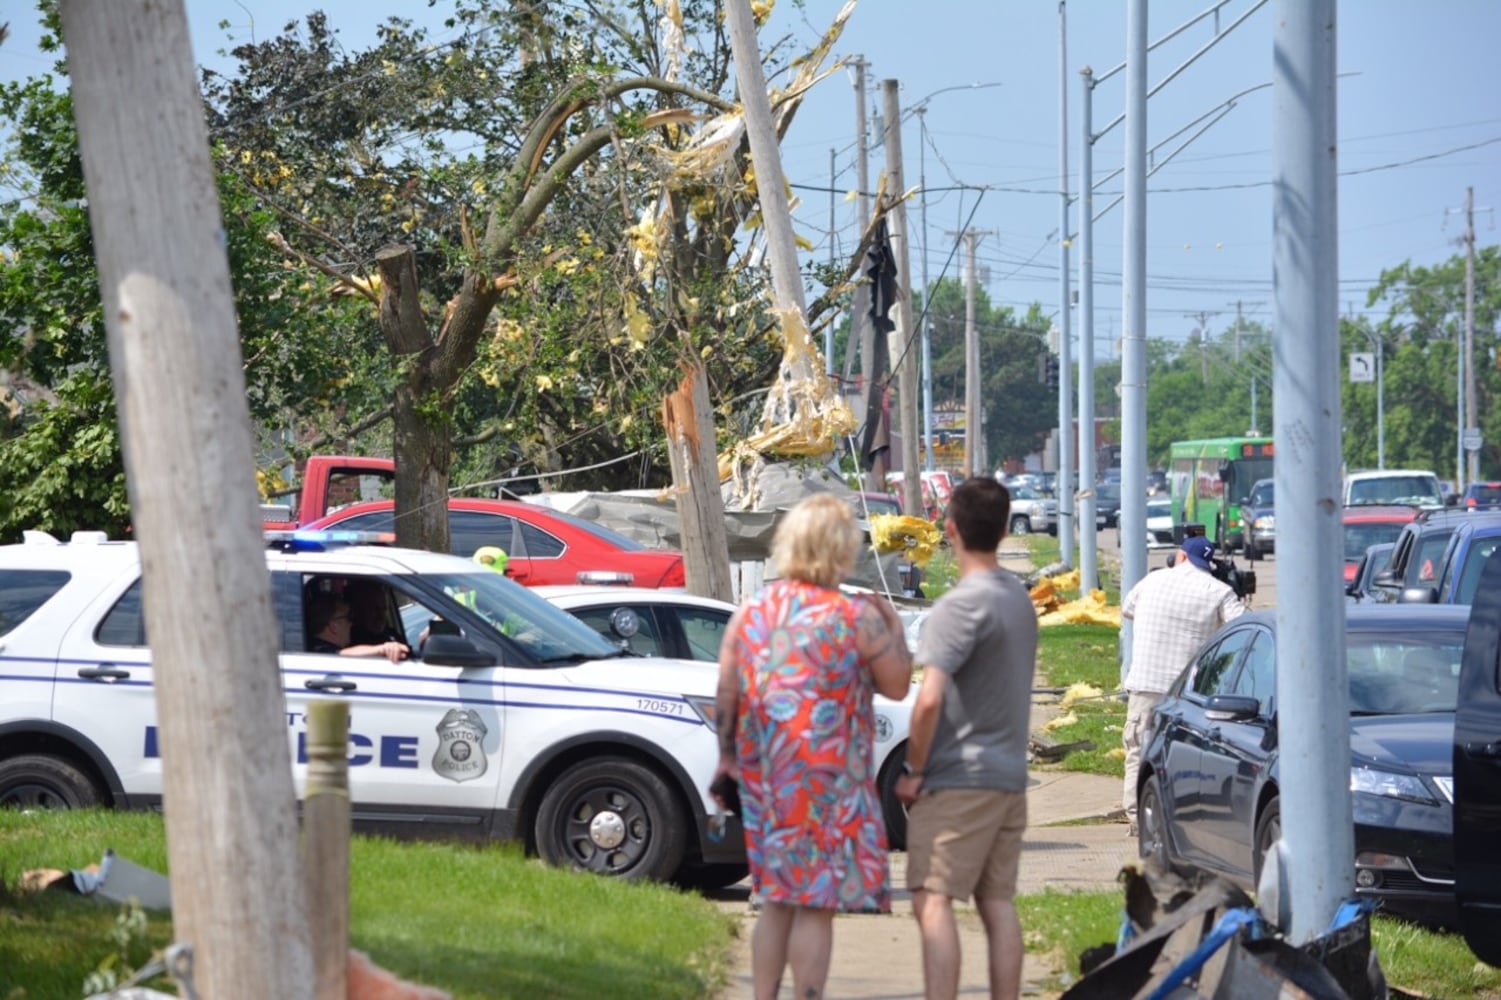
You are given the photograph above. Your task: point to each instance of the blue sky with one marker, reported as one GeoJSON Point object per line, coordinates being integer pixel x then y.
{"type": "Point", "coordinates": [1423, 91]}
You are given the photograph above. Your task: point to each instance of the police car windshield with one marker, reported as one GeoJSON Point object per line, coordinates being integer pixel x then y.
{"type": "Point", "coordinates": [544, 631]}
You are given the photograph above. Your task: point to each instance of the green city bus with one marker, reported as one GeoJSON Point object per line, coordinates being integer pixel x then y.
{"type": "Point", "coordinates": [1210, 478]}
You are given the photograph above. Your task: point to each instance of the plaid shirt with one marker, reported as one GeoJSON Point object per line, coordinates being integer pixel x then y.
{"type": "Point", "coordinates": [1173, 611]}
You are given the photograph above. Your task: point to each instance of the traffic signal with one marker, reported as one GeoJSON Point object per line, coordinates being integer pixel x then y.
{"type": "Point", "coordinates": [1051, 376]}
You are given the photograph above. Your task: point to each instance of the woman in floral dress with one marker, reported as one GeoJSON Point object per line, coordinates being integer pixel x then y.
{"type": "Point", "coordinates": [799, 665]}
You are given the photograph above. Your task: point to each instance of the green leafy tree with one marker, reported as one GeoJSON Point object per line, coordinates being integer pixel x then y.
{"type": "Point", "coordinates": [490, 195]}
{"type": "Point", "coordinates": [60, 463]}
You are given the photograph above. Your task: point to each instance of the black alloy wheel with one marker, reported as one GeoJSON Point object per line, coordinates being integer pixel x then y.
{"type": "Point", "coordinates": [613, 816]}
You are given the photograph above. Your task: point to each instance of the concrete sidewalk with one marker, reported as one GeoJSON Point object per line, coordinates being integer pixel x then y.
{"type": "Point", "coordinates": [880, 957]}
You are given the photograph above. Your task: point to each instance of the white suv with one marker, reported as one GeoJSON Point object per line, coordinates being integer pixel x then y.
{"type": "Point", "coordinates": [512, 719]}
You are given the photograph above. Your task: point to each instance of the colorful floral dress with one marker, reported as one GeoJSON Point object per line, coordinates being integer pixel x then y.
{"type": "Point", "coordinates": [805, 739]}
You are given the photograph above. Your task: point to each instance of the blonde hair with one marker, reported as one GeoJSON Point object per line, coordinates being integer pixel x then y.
{"type": "Point", "coordinates": [817, 541]}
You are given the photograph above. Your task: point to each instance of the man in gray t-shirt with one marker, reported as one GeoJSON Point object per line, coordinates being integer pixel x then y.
{"type": "Point", "coordinates": [966, 771]}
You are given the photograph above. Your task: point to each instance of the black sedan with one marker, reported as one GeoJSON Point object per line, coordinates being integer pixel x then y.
{"type": "Point", "coordinates": [1207, 792]}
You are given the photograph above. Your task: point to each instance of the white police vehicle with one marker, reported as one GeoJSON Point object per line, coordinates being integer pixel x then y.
{"type": "Point", "coordinates": [688, 627]}
{"type": "Point", "coordinates": [506, 722]}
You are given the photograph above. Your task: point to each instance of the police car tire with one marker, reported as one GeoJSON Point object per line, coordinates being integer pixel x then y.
{"type": "Point", "coordinates": [891, 806]}
{"type": "Point", "coordinates": [42, 781]}
{"type": "Point", "coordinates": [653, 822]}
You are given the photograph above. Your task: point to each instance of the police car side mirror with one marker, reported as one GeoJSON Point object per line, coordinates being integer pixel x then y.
{"type": "Point", "coordinates": [455, 651]}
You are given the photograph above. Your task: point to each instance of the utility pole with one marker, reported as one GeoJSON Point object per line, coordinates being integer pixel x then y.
{"type": "Point", "coordinates": [1203, 317]}
{"type": "Point", "coordinates": [175, 358]}
{"type": "Point", "coordinates": [904, 352]}
{"type": "Point", "coordinates": [862, 334]}
{"type": "Point", "coordinates": [1089, 577]}
{"type": "Point", "coordinates": [1317, 852]}
{"type": "Point", "coordinates": [1065, 334]}
{"type": "Point", "coordinates": [974, 431]}
{"type": "Point", "coordinates": [1472, 424]}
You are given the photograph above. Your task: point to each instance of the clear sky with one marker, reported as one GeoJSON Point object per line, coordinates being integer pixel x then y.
{"type": "Point", "coordinates": [1418, 123]}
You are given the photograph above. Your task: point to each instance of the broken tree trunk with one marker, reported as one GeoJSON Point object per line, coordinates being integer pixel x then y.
{"type": "Point", "coordinates": [689, 422]}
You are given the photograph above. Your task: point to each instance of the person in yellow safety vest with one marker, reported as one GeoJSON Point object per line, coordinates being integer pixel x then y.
{"type": "Point", "coordinates": [492, 556]}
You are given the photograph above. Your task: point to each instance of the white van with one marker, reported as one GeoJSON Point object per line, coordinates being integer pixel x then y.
{"type": "Point", "coordinates": [1416, 487]}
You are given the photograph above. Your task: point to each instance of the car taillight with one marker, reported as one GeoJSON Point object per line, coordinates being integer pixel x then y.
{"type": "Point", "coordinates": [676, 576]}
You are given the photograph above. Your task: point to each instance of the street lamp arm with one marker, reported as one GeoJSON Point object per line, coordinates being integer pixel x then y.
{"type": "Point", "coordinates": [1215, 9]}
{"type": "Point", "coordinates": [921, 104]}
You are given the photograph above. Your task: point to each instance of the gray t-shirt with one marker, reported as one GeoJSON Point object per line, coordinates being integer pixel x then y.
{"type": "Point", "coordinates": [983, 634]}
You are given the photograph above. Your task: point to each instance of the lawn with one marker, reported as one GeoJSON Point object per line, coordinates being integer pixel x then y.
{"type": "Point", "coordinates": [476, 920]}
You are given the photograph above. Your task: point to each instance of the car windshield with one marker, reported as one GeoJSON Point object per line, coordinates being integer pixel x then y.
{"type": "Point", "coordinates": [1359, 537]}
{"type": "Point", "coordinates": [1484, 494]}
{"type": "Point", "coordinates": [1396, 674]}
{"type": "Point", "coordinates": [1481, 550]}
{"type": "Point", "coordinates": [1261, 495]}
{"type": "Point", "coordinates": [1159, 508]}
{"type": "Point", "coordinates": [1395, 489]}
{"type": "Point", "coordinates": [547, 633]}
{"type": "Point", "coordinates": [1108, 491]}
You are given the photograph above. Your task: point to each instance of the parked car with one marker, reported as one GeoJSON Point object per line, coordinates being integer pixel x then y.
{"type": "Point", "coordinates": [1477, 772]}
{"type": "Point", "coordinates": [1160, 522]}
{"type": "Point", "coordinates": [689, 627]}
{"type": "Point", "coordinates": [1471, 544]}
{"type": "Point", "coordinates": [1157, 485]}
{"type": "Point", "coordinates": [1374, 560]}
{"type": "Point", "coordinates": [1419, 552]}
{"type": "Point", "coordinates": [511, 720]}
{"type": "Point", "coordinates": [1415, 487]}
{"type": "Point", "coordinates": [1208, 793]}
{"type": "Point", "coordinates": [876, 504]}
{"type": "Point", "coordinates": [1032, 511]}
{"type": "Point", "coordinates": [544, 545]}
{"type": "Point", "coordinates": [1107, 504]}
{"type": "Point", "coordinates": [1371, 525]}
{"type": "Point", "coordinates": [1481, 496]}
{"type": "Point", "coordinates": [1256, 512]}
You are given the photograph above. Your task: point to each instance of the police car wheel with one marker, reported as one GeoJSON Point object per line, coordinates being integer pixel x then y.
{"type": "Point", "coordinates": [891, 806]}
{"type": "Point", "coordinates": [41, 781]}
{"type": "Point", "coordinates": [612, 816]}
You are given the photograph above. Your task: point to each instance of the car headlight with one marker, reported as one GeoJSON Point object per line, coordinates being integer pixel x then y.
{"type": "Point", "coordinates": [1264, 523]}
{"type": "Point", "coordinates": [1389, 784]}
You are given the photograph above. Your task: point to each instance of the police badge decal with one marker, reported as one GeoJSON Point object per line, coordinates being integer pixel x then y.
{"type": "Point", "coordinates": [461, 746]}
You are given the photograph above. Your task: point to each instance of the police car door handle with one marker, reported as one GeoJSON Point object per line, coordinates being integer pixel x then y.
{"type": "Point", "coordinates": [103, 673]}
{"type": "Point", "coordinates": [329, 684]}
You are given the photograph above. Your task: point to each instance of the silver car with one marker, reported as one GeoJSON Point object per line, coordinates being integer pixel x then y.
{"type": "Point", "coordinates": [1032, 511]}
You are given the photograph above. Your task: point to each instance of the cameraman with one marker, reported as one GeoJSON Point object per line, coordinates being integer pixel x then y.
{"type": "Point", "coordinates": [1172, 612]}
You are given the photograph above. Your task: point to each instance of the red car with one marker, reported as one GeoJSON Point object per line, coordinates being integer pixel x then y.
{"type": "Point", "coordinates": [544, 545]}
{"type": "Point", "coordinates": [1371, 524]}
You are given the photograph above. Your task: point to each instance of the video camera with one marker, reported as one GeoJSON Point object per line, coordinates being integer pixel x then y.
{"type": "Point", "coordinates": [1242, 581]}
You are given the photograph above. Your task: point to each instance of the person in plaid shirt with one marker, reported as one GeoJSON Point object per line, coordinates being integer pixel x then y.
{"type": "Point", "coordinates": [1173, 611]}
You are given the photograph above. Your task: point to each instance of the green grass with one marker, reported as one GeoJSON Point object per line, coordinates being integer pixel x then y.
{"type": "Point", "coordinates": [1060, 925]}
{"type": "Point", "coordinates": [477, 920]}
{"type": "Point", "coordinates": [1071, 654]}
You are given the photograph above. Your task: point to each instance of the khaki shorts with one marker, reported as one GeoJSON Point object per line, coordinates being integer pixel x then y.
{"type": "Point", "coordinates": [966, 841]}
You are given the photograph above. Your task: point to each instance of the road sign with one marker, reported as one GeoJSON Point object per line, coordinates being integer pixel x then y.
{"type": "Point", "coordinates": [1472, 439]}
{"type": "Point", "coordinates": [1362, 366]}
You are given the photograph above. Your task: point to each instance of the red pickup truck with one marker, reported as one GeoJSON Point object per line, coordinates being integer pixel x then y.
{"type": "Point", "coordinates": [328, 483]}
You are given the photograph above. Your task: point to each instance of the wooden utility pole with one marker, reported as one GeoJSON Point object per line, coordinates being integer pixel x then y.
{"type": "Point", "coordinates": [232, 838]}
{"type": "Point", "coordinates": [862, 332]}
{"type": "Point", "coordinates": [1472, 423]}
{"type": "Point", "coordinates": [904, 346]}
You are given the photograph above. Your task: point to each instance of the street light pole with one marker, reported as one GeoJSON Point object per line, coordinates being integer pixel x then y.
{"type": "Point", "coordinates": [1065, 481]}
{"type": "Point", "coordinates": [927, 293]}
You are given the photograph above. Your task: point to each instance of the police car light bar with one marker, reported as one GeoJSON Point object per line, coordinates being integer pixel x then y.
{"type": "Point", "coordinates": [320, 541]}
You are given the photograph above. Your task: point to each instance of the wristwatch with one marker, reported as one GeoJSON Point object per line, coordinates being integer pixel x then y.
{"type": "Point", "coordinates": [911, 771]}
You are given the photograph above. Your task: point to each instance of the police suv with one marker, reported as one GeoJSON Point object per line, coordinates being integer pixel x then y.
{"type": "Point", "coordinates": [511, 719]}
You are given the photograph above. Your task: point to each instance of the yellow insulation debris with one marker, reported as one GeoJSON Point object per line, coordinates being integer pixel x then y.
{"type": "Point", "coordinates": [1081, 690]}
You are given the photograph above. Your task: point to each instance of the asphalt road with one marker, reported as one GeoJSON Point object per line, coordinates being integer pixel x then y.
{"type": "Point", "coordinates": [1265, 568]}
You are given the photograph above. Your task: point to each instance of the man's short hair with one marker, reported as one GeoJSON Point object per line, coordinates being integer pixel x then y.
{"type": "Point", "coordinates": [980, 508]}
{"type": "Point", "coordinates": [320, 611]}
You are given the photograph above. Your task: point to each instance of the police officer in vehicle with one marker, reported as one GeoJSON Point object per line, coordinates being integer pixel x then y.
{"type": "Point", "coordinates": [330, 625]}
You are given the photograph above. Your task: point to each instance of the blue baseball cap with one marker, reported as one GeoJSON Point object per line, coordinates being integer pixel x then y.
{"type": "Point", "coordinates": [1199, 551]}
